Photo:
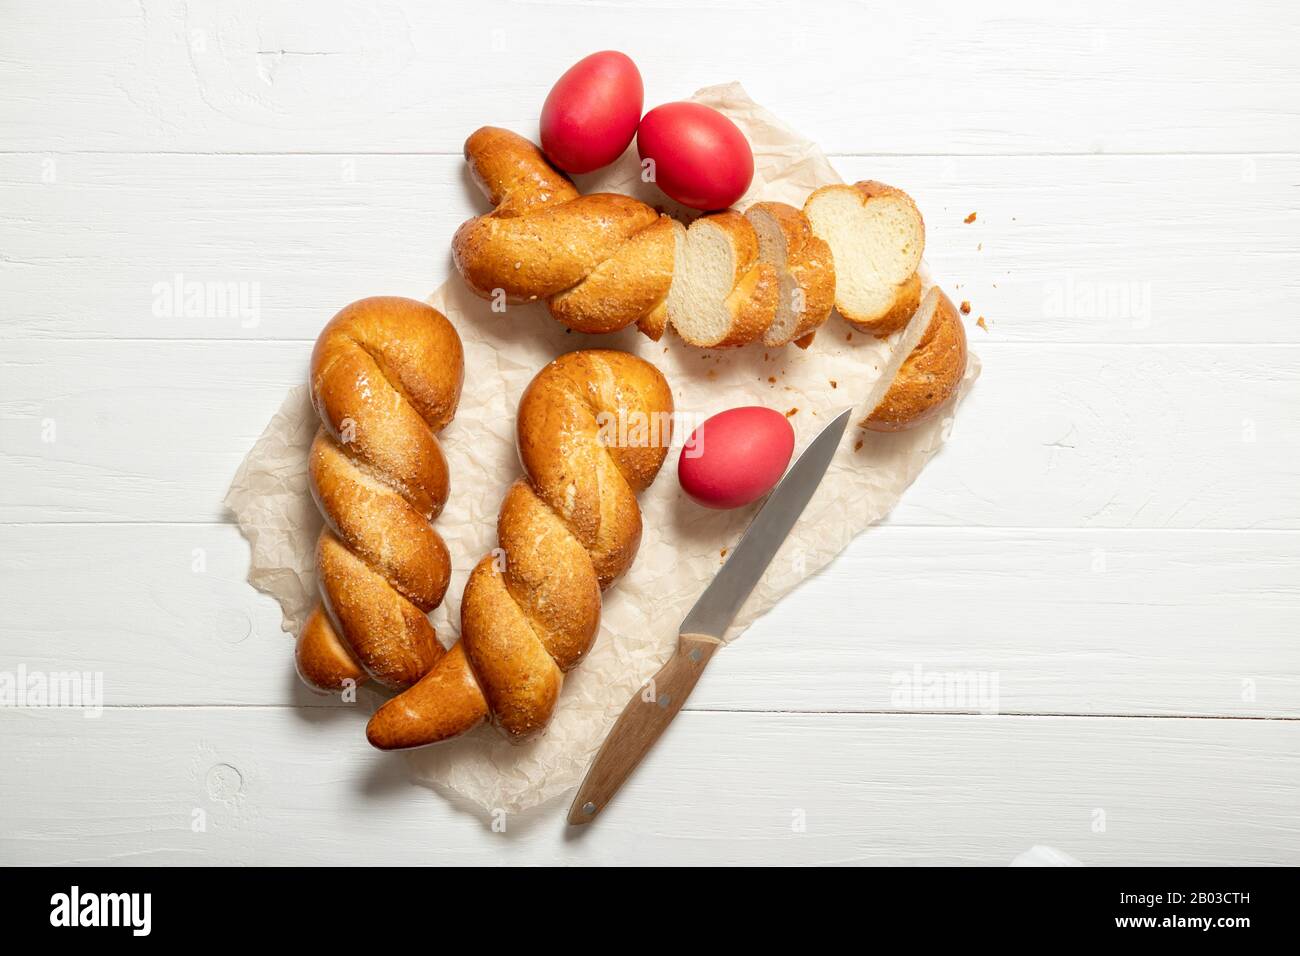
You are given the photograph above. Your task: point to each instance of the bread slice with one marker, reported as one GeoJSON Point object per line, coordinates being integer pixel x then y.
{"type": "Point", "coordinates": [877, 237]}
{"type": "Point", "coordinates": [804, 267]}
{"type": "Point", "coordinates": [924, 370]}
{"type": "Point", "coordinates": [722, 294]}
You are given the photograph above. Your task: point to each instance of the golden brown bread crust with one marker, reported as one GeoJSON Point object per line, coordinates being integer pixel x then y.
{"type": "Point", "coordinates": [754, 298]}
{"type": "Point", "coordinates": [755, 289]}
{"type": "Point", "coordinates": [445, 703]}
{"type": "Point", "coordinates": [512, 173]}
{"type": "Point", "coordinates": [874, 189]}
{"type": "Point", "coordinates": [654, 322]}
{"type": "Point", "coordinates": [752, 305]}
{"type": "Point", "coordinates": [386, 375]}
{"type": "Point", "coordinates": [811, 268]}
{"type": "Point", "coordinates": [633, 281]}
{"type": "Point", "coordinates": [602, 261]}
{"type": "Point", "coordinates": [320, 656]}
{"type": "Point", "coordinates": [929, 377]}
{"type": "Point", "coordinates": [593, 430]}
{"type": "Point", "coordinates": [550, 249]}
{"type": "Point", "coordinates": [906, 301]}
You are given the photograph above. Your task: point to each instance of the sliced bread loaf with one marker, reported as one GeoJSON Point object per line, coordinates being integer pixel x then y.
{"type": "Point", "coordinates": [877, 237]}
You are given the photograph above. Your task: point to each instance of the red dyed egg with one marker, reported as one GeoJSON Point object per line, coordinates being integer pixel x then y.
{"type": "Point", "coordinates": [591, 113]}
{"type": "Point", "coordinates": [736, 457]}
{"type": "Point", "coordinates": [701, 158]}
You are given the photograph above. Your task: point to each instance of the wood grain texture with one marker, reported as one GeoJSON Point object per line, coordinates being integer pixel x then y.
{"type": "Point", "coordinates": [287, 785]}
{"type": "Point", "coordinates": [1103, 621]}
{"type": "Point", "coordinates": [1105, 436]}
{"type": "Point", "coordinates": [1108, 249]}
{"type": "Point", "coordinates": [400, 75]}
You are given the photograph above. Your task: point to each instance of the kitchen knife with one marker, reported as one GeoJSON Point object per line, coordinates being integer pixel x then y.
{"type": "Point", "coordinates": [652, 708]}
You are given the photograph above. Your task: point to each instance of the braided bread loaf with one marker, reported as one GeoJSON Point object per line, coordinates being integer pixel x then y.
{"type": "Point", "coordinates": [593, 430]}
{"type": "Point", "coordinates": [385, 377]}
{"type": "Point", "coordinates": [605, 261]}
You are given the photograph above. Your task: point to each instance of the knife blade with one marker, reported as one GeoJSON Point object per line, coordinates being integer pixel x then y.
{"type": "Point", "coordinates": [722, 599]}
{"type": "Point", "coordinates": [651, 709]}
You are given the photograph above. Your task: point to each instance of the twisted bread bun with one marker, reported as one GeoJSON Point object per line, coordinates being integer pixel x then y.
{"type": "Point", "coordinates": [385, 377]}
{"type": "Point", "coordinates": [593, 430]}
{"type": "Point", "coordinates": [925, 370]}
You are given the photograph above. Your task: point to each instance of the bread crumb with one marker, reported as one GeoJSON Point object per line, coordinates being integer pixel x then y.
{"type": "Point", "coordinates": [792, 412]}
{"type": "Point", "coordinates": [970, 218]}
{"type": "Point", "coordinates": [849, 337]}
{"type": "Point", "coordinates": [965, 307]}
{"type": "Point", "coordinates": [722, 553]}
{"type": "Point", "coordinates": [834, 384]}
{"type": "Point", "coordinates": [772, 379]}
{"type": "Point", "coordinates": [858, 446]}
{"type": "Point", "coordinates": [980, 323]}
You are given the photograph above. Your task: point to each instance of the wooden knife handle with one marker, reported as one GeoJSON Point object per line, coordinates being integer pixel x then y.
{"type": "Point", "coordinates": [645, 718]}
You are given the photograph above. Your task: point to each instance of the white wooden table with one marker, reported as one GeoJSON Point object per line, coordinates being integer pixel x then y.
{"type": "Point", "coordinates": [1113, 532]}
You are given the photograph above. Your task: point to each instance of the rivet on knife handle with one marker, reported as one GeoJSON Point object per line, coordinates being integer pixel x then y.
{"type": "Point", "coordinates": [645, 718]}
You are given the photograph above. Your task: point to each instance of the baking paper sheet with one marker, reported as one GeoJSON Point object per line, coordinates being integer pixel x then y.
{"type": "Point", "coordinates": [683, 544]}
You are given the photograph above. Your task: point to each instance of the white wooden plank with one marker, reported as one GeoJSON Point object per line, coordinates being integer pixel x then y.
{"type": "Point", "coordinates": [1083, 436]}
{"type": "Point", "coordinates": [1063, 249]}
{"type": "Point", "coordinates": [1073, 622]}
{"type": "Point", "coordinates": [946, 76]}
{"type": "Point", "coordinates": [1029, 621]}
{"type": "Point", "coordinates": [297, 787]}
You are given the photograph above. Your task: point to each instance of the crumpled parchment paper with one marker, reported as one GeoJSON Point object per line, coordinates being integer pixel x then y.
{"type": "Point", "coordinates": [682, 547]}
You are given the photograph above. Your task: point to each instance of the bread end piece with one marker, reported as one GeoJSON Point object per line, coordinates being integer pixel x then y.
{"type": "Point", "coordinates": [513, 173]}
{"type": "Point", "coordinates": [931, 372]}
{"type": "Point", "coordinates": [322, 658]}
{"type": "Point", "coordinates": [445, 703]}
